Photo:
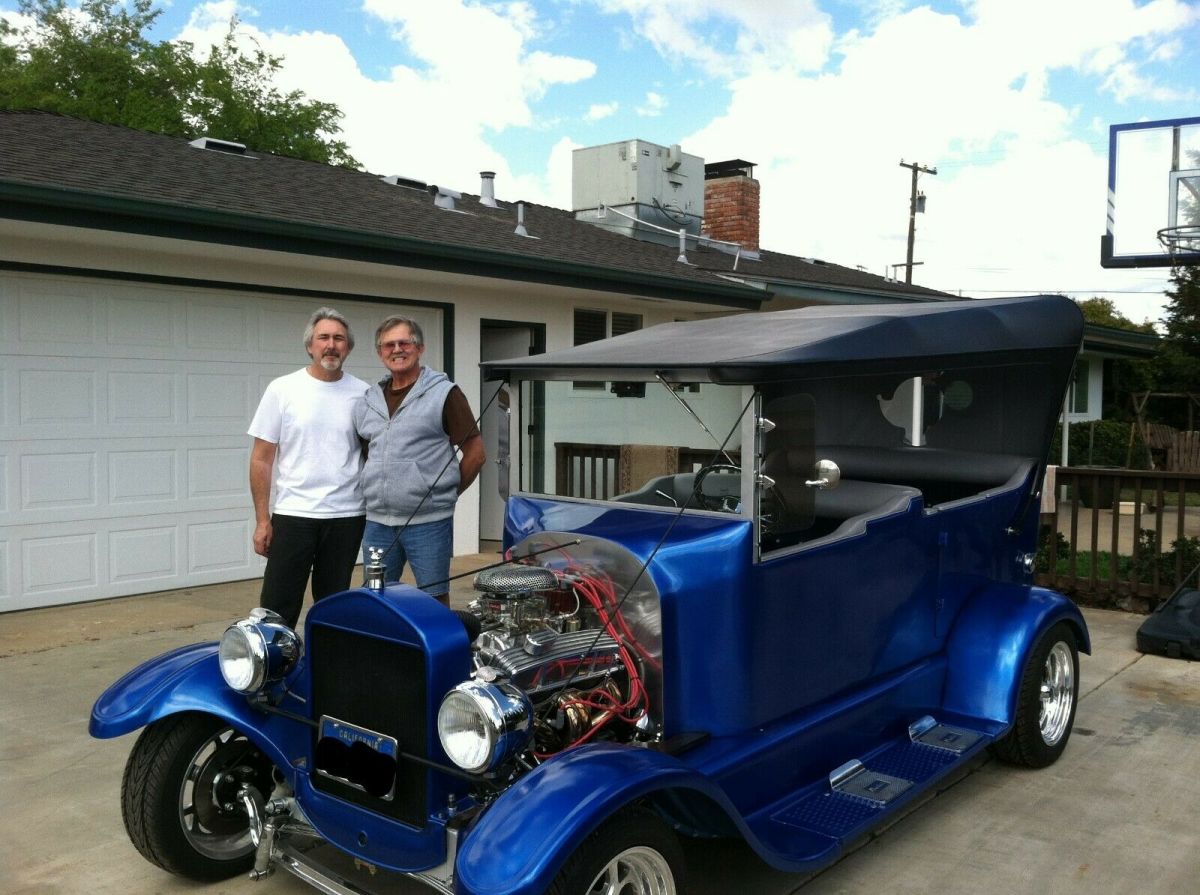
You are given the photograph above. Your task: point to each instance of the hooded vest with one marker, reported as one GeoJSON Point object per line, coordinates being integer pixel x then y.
{"type": "Point", "coordinates": [411, 473]}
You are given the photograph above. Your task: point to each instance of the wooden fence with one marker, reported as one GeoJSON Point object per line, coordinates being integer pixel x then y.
{"type": "Point", "coordinates": [1127, 538]}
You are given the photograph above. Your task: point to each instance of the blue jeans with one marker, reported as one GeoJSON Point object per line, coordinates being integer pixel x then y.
{"type": "Point", "coordinates": [426, 547]}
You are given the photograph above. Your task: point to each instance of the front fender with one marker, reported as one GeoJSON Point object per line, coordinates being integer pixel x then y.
{"type": "Point", "coordinates": [991, 641]}
{"type": "Point", "coordinates": [189, 679]}
{"type": "Point", "coordinates": [522, 840]}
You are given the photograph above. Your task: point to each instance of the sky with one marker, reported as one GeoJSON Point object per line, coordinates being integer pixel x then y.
{"type": "Point", "coordinates": [1010, 100]}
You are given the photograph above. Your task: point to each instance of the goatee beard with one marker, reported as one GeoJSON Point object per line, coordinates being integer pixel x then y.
{"type": "Point", "coordinates": [332, 364]}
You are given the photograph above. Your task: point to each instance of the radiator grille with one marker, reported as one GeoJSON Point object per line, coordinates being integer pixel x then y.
{"type": "Point", "coordinates": [378, 685]}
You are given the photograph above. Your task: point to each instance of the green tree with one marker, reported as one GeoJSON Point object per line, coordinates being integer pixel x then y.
{"type": "Point", "coordinates": [1178, 365]}
{"type": "Point", "coordinates": [1103, 311]}
{"type": "Point", "coordinates": [96, 62]}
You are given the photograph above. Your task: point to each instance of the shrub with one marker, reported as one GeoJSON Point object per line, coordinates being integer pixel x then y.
{"type": "Point", "coordinates": [1100, 443]}
{"type": "Point", "coordinates": [1042, 559]}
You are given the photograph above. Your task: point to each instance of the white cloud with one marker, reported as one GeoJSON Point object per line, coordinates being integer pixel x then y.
{"type": "Point", "coordinates": [794, 35]}
{"type": "Point", "coordinates": [475, 73]}
{"type": "Point", "coordinates": [598, 111]}
{"type": "Point", "coordinates": [653, 105]}
{"type": "Point", "coordinates": [1018, 202]}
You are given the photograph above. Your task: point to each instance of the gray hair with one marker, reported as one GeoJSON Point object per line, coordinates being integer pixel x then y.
{"type": "Point", "coordinates": [395, 320]}
{"type": "Point", "coordinates": [326, 314]}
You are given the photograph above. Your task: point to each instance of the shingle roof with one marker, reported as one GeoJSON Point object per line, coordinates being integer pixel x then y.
{"type": "Point", "coordinates": [156, 173]}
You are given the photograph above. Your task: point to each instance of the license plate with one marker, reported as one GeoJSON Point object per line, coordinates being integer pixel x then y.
{"type": "Point", "coordinates": [357, 757]}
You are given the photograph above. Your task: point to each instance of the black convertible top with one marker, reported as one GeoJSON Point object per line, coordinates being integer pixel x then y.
{"type": "Point", "coordinates": [817, 341]}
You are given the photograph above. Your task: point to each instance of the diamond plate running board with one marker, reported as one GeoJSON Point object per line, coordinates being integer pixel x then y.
{"type": "Point", "coordinates": [855, 779]}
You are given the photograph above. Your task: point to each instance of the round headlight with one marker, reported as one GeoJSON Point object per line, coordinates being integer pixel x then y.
{"type": "Point", "coordinates": [482, 725]}
{"type": "Point", "coordinates": [257, 650]}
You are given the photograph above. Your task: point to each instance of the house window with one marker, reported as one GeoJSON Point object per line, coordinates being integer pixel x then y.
{"type": "Point", "coordinates": [592, 326]}
{"type": "Point", "coordinates": [1079, 387]}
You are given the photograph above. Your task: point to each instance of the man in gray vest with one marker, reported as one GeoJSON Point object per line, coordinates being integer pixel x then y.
{"type": "Point", "coordinates": [414, 423]}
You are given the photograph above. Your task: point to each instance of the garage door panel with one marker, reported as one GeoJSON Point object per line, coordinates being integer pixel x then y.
{"type": "Point", "coordinates": [59, 481]}
{"type": "Point", "coordinates": [219, 546]}
{"type": "Point", "coordinates": [221, 323]}
{"type": "Point", "coordinates": [218, 472]}
{"type": "Point", "coordinates": [53, 314]}
{"type": "Point", "coordinates": [58, 397]}
{"type": "Point", "coordinates": [60, 564]}
{"type": "Point", "coordinates": [219, 398]}
{"type": "Point", "coordinates": [142, 476]}
{"type": "Point", "coordinates": [142, 321]}
{"type": "Point", "coordinates": [142, 396]}
{"type": "Point", "coordinates": [149, 554]}
{"type": "Point", "coordinates": [124, 478]}
{"type": "Point", "coordinates": [87, 560]}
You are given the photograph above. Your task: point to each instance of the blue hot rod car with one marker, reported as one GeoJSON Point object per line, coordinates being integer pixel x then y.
{"type": "Point", "coordinates": [766, 576]}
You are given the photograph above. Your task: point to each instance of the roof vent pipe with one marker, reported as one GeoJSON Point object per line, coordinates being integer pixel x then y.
{"type": "Point", "coordinates": [682, 259]}
{"type": "Point", "coordinates": [443, 197]}
{"type": "Point", "coordinates": [521, 231]}
{"type": "Point", "coordinates": [487, 189]}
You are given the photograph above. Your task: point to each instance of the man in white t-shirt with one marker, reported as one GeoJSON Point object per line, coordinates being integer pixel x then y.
{"type": "Point", "coordinates": [304, 429]}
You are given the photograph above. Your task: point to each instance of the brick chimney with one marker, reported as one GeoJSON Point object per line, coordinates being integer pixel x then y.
{"type": "Point", "coordinates": [731, 203]}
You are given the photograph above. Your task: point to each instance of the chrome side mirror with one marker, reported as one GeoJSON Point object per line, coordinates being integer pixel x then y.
{"type": "Point", "coordinates": [827, 475]}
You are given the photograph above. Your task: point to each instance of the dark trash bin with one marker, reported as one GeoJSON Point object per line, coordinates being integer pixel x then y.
{"type": "Point", "coordinates": [1098, 491]}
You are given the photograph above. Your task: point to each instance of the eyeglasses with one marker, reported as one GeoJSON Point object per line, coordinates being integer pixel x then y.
{"type": "Point", "coordinates": [397, 344]}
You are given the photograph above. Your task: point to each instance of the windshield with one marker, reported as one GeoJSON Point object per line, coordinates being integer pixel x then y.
{"type": "Point", "coordinates": [615, 440]}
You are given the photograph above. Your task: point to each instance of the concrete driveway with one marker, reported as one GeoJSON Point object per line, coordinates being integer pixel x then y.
{"type": "Point", "coordinates": [1116, 814]}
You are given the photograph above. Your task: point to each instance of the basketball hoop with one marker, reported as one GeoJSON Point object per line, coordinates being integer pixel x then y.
{"type": "Point", "coordinates": [1181, 242]}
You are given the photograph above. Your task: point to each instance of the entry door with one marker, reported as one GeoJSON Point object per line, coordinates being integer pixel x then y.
{"type": "Point", "coordinates": [497, 342]}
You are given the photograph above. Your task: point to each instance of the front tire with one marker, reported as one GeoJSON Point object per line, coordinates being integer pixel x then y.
{"type": "Point", "coordinates": [1046, 702]}
{"type": "Point", "coordinates": [634, 853]}
{"type": "Point", "coordinates": [179, 796]}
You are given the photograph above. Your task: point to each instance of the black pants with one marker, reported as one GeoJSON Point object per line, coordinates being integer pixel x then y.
{"type": "Point", "coordinates": [328, 548]}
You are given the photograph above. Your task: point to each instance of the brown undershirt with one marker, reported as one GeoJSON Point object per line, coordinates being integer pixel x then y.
{"type": "Point", "coordinates": [457, 420]}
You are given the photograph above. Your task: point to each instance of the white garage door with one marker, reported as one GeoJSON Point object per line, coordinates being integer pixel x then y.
{"type": "Point", "coordinates": [123, 413]}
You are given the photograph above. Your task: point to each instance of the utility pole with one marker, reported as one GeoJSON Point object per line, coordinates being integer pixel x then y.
{"type": "Point", "coordinates": [912, 212]}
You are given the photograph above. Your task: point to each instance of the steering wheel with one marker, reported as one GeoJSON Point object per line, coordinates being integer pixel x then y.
{"type": "Point", "coordinates": [726, 503]}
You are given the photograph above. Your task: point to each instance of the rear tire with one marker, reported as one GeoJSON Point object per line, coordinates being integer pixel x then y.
{"type": "Point", "coordinates": [1046, 702]}
{"type": "Point", "coordinates": [634, 853]}
{"type": "Point", "coordinates": [179, 796]}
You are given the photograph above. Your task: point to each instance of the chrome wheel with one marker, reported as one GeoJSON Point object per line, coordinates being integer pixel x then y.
{"type": "Point", "coordinates": [636, 871]}
{"type": "Point", "coordinates": [1045, 701]}
{"type": "Point", "coordinates": [1057, 693]}
{"type": "Point", "coordinates": [212, 817]}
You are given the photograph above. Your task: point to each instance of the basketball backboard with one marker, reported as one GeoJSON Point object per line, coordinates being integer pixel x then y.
{"type": "Point", "coordinates": [1153, 194]}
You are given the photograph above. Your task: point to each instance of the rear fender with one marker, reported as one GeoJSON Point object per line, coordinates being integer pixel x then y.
{"type": "Point", "coordinates": [991, 641]}
{"type": "Point", "coordinates": [521, 842]}
{"type": "Point", "coordinates": [188, 679]}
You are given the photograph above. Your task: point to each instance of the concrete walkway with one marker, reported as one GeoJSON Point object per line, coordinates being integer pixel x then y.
{"type": "Point", "coordinates": [1115, 815]}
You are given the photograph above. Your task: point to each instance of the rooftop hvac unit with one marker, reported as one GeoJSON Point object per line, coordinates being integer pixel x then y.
{"type": "Point", "coordinates": [657, 184]}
